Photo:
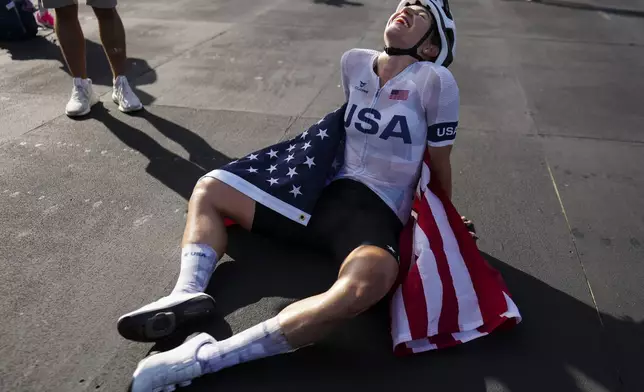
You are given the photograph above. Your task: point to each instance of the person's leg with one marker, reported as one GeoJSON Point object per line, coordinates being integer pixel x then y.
{"type": "Point", "coordinates": [71, 39]}
{"type": "Point", "coordinates": [112, 33]}
{"type": "Point", "coordinates": [366, 276]}
{"type": "Point", "coordinates": [72, 45]}
{"type": "Point", "coordinates": [205, 232]}
{"type": "Point", "coordinates": [204, 241]}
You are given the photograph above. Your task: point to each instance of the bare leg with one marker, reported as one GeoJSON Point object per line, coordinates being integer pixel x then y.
{"type": "Point", "coordinates": [205, 237]}
{"type": "Point", "coordinates": [112, 35]}
{"type": "Point", "coordinates": [365, 278]}
{"type": "Point", "coordinates": [204, 240]}
{"type": "Point", "coordinates": [71, 39]}
{"type": "Point", "coordinates": [211, 201]}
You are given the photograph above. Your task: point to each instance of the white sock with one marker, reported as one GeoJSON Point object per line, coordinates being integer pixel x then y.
{"type": "Point", "coordinates": [197, 265]}
{"type": "Point", "coordinates": [263, 340]}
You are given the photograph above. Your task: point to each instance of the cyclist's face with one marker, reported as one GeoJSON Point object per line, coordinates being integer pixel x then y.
{"type": "Point", "coordinates": [407, 26]}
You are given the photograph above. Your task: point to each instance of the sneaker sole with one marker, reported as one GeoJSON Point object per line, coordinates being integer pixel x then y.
{"type": "Point", "coordinates": [136, 109]}
{"type": "Point", "coordinates": [93, 101]}
{"type": "Point", "coordinates": [157, 324]}
{"type": "Point", "coordinates": [83, 113]}
{"type": "Point", "coordinates": [122, 109]}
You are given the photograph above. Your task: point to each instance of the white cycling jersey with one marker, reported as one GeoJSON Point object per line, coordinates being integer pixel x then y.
{"type": "Point", "coordinates": [387, 128]}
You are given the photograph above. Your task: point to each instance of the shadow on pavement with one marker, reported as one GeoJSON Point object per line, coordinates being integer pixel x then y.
{"type": "Point", "coordinates": [172, 170]}
{"type": "Point", "coordinates": [560, 346]}
{"type": "Point", "coordinates": [98, 68]}
{"type": "Point", "coordinates": [559, 343]}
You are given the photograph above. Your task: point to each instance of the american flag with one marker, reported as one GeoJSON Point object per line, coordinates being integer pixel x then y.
{"type": "Point", "coordinates": [289, 176]}
{"type": "Point", "coordinates": [399, 95]}
{"type": "Point", "coordinates": [446, 295]}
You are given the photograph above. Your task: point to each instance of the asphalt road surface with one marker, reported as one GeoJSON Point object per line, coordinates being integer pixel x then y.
{"type": "Point", "coordinates": [549, 163]}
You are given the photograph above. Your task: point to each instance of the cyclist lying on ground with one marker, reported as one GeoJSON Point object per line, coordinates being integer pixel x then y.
{"type": "Point", "coordinates": [400, 102]}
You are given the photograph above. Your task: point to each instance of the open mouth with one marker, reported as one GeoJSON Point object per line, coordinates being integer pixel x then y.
{"type": "Point", "coordinates": [402, 20]}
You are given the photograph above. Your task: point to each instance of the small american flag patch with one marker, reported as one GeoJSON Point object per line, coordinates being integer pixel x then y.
{"type": "Point", "coordinates": [399, 95]}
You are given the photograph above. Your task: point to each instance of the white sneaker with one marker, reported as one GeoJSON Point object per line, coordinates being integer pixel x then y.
{"type": "Point", "coordinates": [165, 316]}
{"type": "Point", "coordinates": [123, 96]}
{"type": "Point", "coordinates": [177, 367]}
{"type": "Point", "coordinates": [82, 98]}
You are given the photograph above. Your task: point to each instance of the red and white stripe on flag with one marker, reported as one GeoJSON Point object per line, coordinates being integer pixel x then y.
{"type": "Point", "coordinates": [449, 294]}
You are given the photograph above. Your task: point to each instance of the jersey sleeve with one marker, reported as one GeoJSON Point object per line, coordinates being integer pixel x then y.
{"type": "Point", "coordinates": [441, 101]}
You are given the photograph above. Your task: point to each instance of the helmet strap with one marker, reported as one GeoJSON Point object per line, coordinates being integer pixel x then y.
{"type": "Point", "coordinates": [413, 51]}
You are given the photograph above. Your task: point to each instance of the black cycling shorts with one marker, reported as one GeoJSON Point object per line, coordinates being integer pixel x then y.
{"type": "Point", "coordinates": [347, 215]}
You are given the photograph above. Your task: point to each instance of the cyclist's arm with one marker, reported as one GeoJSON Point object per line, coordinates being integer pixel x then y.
{"type": "Point", "coordinates": [441, 110]}
{"type": "Point", "coordinates": [442, 167]}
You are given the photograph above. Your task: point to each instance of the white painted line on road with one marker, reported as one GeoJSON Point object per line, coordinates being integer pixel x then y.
{"type": "Point", "coordinates": [574, 242]}
{"type": "Point", "coordinates": [605, 15]}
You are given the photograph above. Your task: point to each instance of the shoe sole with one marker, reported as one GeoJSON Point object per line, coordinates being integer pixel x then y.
{"type": "Point", "coordinates": [154, 325]}
{"type": "Point", "coordinates": [83, 113]}
{"type": "Point", "coordinates": [122, 109]}
{"type": "Point", "coordinates": [93, 101]}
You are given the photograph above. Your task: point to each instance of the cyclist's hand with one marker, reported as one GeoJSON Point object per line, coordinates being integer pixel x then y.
{"type": "Point", "coordinates": [470, 227]}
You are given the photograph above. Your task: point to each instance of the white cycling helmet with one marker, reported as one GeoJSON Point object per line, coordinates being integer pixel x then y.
{"type": "Point", "coordinates": [443, 24]}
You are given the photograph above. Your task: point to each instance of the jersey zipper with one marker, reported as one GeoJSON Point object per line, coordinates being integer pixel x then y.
{"type": "Point", "coordinates": [373, 104]}
{"type": "Point", "coordinates": [366, 137]}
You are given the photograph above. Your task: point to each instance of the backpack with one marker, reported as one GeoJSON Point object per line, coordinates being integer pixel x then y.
{"type": "Point", "coordinates": [17, 20]}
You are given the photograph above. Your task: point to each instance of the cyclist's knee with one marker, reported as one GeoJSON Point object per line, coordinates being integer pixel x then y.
{"type": "Point", "coordinates": [208, 190]}
{"type": "Point", "coordinates": [224, 199]}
